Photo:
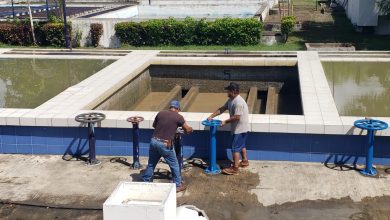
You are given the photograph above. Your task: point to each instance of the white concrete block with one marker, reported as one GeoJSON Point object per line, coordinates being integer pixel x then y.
{"type": "Point", "coordinates": [44, 119]}
{"type": "Point", "coordinates": [4, 112]}
{"type": "Point", "coordinates": [27, 120]}
{"type": "Point", "coordinates": [314, 125]}
{"type": "Point", "coordinates": [296, 124]}
{"type": "Point", "coordinates": [260, 123]}
{"type": "Point", "coordinates": [141, 201]}
{"type": "Point", "coordinates": [334, 129]}
{"type": "Point", "coordinates": [14, 118]}
{"type": "Point", "coordinates": [348, 125]}
{"type": "Point", "coordinates": [278, 123]}
{"type": "Point", "coordinates": [121, 120]}
{"type": "Point", "coordinates": [111, 119]}
{"type": "Point", "coordinates": [193, 119]}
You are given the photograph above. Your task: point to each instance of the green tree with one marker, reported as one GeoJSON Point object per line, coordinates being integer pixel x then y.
{"type": "Point", "coordinates": [287, 26]}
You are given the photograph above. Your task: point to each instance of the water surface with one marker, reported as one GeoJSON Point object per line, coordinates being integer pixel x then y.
{"type": "Point", "coordinates": [27, 83]}
{"type": "Point", "coordinates": [360, 88]}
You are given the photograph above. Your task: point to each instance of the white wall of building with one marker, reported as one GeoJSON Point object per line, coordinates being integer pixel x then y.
{"type": "Point", "coordinates": [361, 12]}
{"type": "Point", "coordinates": [127, 12]}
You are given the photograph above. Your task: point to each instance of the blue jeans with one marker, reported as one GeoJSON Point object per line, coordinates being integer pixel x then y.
{"type": "Point", "coordinates": [156, 151]}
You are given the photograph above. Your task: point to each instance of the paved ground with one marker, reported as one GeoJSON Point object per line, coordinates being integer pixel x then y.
{"type": "Point", "coordinates": [266, 190]}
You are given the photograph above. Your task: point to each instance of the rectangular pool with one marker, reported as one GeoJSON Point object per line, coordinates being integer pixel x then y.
{"type": "Point", "coordinates": [360, 88]}
{"type": "Point", "coordinates": [27, 83]}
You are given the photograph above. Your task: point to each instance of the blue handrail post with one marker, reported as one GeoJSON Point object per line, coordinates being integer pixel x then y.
{"type": "Point", "coordinates": [212, 168]}
{"type": "Point", "coordinates": [135, 122]}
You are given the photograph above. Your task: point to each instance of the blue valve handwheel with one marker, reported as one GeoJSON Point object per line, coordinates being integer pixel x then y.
{"type": "Point", "coordinates": [212, 123]}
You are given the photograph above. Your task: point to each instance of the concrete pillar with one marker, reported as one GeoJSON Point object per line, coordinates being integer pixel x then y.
{"type": "Point", "coordinates": [175, 93]}
{"type": "Point", "coordinates": [190, 97]}
{"type": "Point", "coordinates": [252, 100]}
{"type": "Point", "coordinates": [272, 101]}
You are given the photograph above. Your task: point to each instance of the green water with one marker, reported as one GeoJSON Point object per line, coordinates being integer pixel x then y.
{"type": "Point", "coordinates": [360, 88]}
{"type": "Point", "coordinates": [27, 83]}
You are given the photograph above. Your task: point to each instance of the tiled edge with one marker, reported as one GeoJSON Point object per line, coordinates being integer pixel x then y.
{"type": "Point", "coordinates": [278, 123]}
{"type": "Point", "coordinates": [320, 111]}
{"type": "Point", "coordinates": [296, 124]}
{"type": "Point", "coordinates": [385, 132]}
{"type": "Point", "coordinates": [350, 129]}
{"type": "Point", "coordinates": [62, 57]}
{"type": "Point", "coordinates": [91, 91]}
{"type": "Point", "coordinates": [348, 126]}
{"type": "Point", "coordinates": [260, 123]}
{"type": "Point", "coordinates": [11, 116]}
{"type": "Point", "coordinates": [218, 61]}
{"type": "Point", "coordinates": [355, 59]}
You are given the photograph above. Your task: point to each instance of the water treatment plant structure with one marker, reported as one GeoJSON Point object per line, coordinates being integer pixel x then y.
{"type": "Point", "coordinates": [294, 115]}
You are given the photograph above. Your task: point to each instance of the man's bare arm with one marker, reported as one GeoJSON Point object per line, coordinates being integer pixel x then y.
{"type": "Point", "coordinates": [187, 129]}
{"type": "Point", "coordinates": [216, 113]}
{"type": "Point", "coordinates": [231, 119]}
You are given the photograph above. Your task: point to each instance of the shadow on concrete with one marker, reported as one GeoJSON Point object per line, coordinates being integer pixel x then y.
{"type": "Point", "coordinates": [80, 151]}
{"type": "Point", "coordinates": [340, 30]}
{"type": "Point", "coordinates": [341, 162]}
{"type": "Point", "coordinates": [159, 174]}
{"type": "Point", "coordinates": [121, 160]}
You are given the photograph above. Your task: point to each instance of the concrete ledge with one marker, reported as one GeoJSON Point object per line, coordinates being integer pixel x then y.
{"type": "Point", "coordinates": [251, 100]}
{"type": "Point", "coordinates": [189, 98]}
{"type": "Point", "coordinates": [174, 94]}
{"type": "Point", "coordinates": [272, 101]}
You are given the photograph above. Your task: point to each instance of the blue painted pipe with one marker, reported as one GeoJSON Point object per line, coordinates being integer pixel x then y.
{"type": "Point", "coordinates": [212, 168]}
{"type": "Point", "coordinates": [136, 164]}
{"type": "Point", "coordinates": [213, 148]}
{"type": "Point", "coordinates": [370, 170]}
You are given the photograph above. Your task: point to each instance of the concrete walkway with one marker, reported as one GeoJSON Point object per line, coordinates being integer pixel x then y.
{"type": "Point", "coordinates": [274, 190]}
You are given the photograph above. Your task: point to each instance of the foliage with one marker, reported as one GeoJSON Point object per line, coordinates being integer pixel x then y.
{"type": "Point", "coordinates": [287, 25]}
{"type": "Point", "coordinates": [19, 33]}
{"type": "Point", "coordinates": [225, 31]}
{"type": "Point", "coordinates": [76, 38]}
{"type": "Point", "coordinates": [384, 6]}
{"type": "Point", "coordinates": [53, 18]}
{"type": "Point", "coordinates": [16, 33]}
{"type": "Point", "coordinates": [53, 34]}
{"type": "Point", "coordinates": [96, 32]}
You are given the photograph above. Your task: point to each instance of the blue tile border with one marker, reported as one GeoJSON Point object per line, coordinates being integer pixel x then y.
{"type": "Point", "coordinates": [261, 146]}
